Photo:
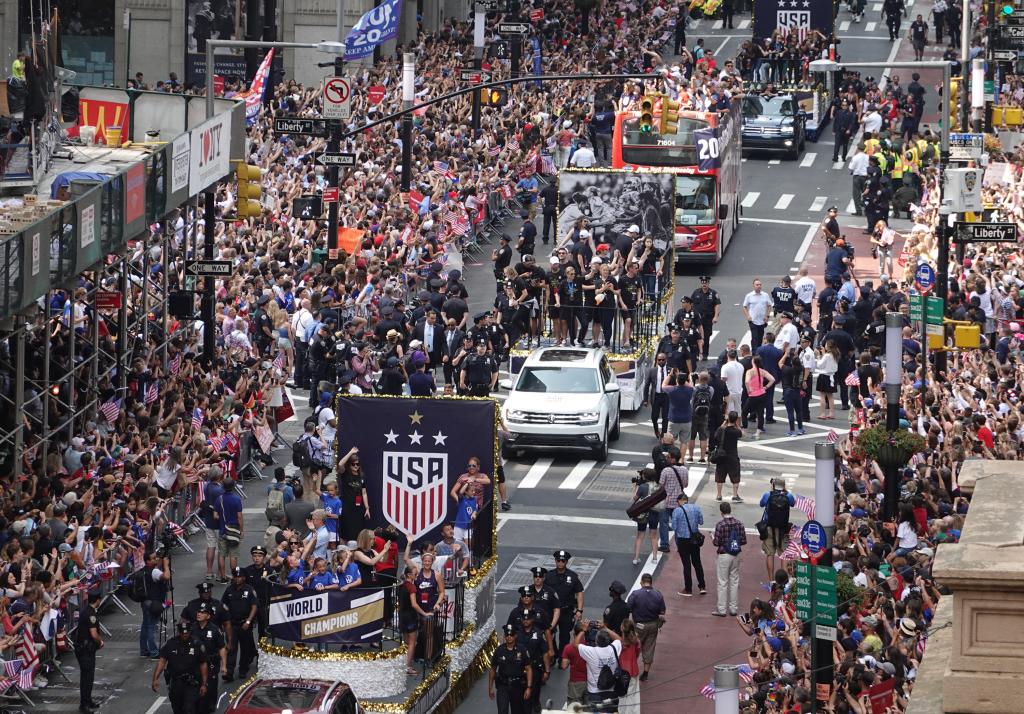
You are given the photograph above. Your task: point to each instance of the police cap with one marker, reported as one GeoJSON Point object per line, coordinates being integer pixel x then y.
{"type": "Point", "coordinates": [526, 591]}
{"type": "Point", "coordinates": [238, 573]}
{"type": "Point", "coordinates": [204, 587]}
{"type": "Point", "coordinates": [257, 549]}
{"type": "Point", "coordinates": [539, 572]}
{"type": "Point", "coordinates": [184, 626]}
{"type": "Point", "coordinates": [509, 630]}
{"type": "Point", "coordinates": [562, 555]}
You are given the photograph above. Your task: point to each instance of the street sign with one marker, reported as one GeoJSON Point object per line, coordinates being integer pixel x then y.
{"type": "Point", "coordinates": [816, 590]}
{"type": "Point", "coordinates": [474, 76]}
{"type": "Point", "coordinates": [824, 632]}
{"type": "Point", "coordinates": [209, 267]}
{"type": "Point", "coordinates": [1004, 55]}
{"type": "Point", "coordinates": [963, 147]}
{"type": "Point", "coordinates": [930, 310]}
{"type": "Point", "coordinates": [307, 208]}
{"type": "Point", "coordinates": [298, 125]}
{"type": "Point", "coordinates": [107, 300]}
{"type": "Point", "coordinates": [330, 194]}
{"type": "Point", "coordinates": [490, 5]}
{"type": "Point", "coordinates": [537, 15]}
{"type": "Point", "coordinates": [987, 232]}
{"type": "Point", "coordinates": [1012, 31]}
{"type": "Point", "coordinates": [337, 98]}
{"type": "Point", "coordinates": [517, 28]}
{"type": "Point", "coordinates": [924, 278]}
{"type": "Point", "coordinates": [813, 537]}
{"type": "Point", "coordinates": [501, 49]}
{"type": "Point", "coordinates": [340, 159]}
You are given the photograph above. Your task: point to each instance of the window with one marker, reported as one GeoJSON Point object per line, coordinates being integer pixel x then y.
{"type": "Point", "coordinates": [294, 696]}
{"type": "Point", "coordinates": [768, 106]}
{"type": "Point", "coordinates": [654, 149]}
{"type": "Point", "coordinates": [695, 200]}
{"type": "Point", "coordinates": [572, 380]}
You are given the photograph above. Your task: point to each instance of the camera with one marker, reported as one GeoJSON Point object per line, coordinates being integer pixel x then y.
{"type": "Point", "coordinates": [167, 541]}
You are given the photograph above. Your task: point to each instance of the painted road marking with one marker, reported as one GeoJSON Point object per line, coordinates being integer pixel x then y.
{"type": "Point", "coordinates": [780, 221]}
{"type": "Point", "coordinates": [775, 162]}
{"type": "Point", "coordinates": [851, 207]}
{"type": "Point", "coordinates": [808, 159]}
{"type": "Point", "coordinates": [618, 464]}
{"type": "Point", "coordinates": [783, 203]}
{"type": "Point", "coordinates": [750, 199]}
{"type": "Point", "coordinates": [578, 473]}
{"type": "Point", "coordinates": [697, 474]}
{"type": "Point", "coordinates": [877, 7]}
{"type": "Point", "coordinates": [156, 705]}
{"type": "Point", "coordinates": [717, 25]}
{"type": "Point", "coordinates": [536, 473]}
{"type": "Point", "coordinates": [650, 565]}
{"type": "Point", "coordinates": [801, 253]}
{"type": "Point", "coordinates": [818, 204]}
{"type": "Point", "coordinates": [582, 520]}
{"type": "Point", "coordinates": [744, 24]}
{"type": "Point", "coordinates": [870, 27]}
{"type": "Point", "coordinates": [844, 25]}
{"type": "Point", "coordinates": [838, 164]}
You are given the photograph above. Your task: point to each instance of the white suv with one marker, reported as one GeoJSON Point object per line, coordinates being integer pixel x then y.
{"type": "Point", "coordinates": [562, 398]}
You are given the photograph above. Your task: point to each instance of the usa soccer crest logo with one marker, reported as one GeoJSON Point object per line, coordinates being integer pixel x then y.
{"type": "Point", "coordinates": [415, 479]}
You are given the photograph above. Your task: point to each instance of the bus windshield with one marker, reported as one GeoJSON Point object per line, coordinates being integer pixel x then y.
{"type": "Point", "coordinates": [695, 200]}
{"type": "Point", "coordinates": [654, 149]}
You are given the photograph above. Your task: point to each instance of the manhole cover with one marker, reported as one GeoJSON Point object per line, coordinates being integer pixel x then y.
{"type": "Point", "coordinates": [612, 482]}
{"type": "Point", "coordinates": [518, 574]}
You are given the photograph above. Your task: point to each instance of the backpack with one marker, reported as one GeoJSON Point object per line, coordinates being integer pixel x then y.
{"type": "Point", "coordinates": [275, 505]}
{"type": "Point", "coordinates": [137, 590]}
{"type": "Point", "coordinates": [702, 401]}
{"type": "Point", "coordinates": [301, 458]}
{"type": "Point", "coordinates": [777, 510]}
{"type": "Point", "coordinates": [732, 546]}
{"type": "Point", "coordinates": [613, 680]}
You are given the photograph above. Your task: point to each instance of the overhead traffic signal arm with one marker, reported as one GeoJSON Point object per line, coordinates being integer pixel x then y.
{"type": "Point", "coordinates": [647, 113]}
{"type": "Point", "coordinates": [494, 97]}
{"type": "Point", "coordinates": [249, 190]}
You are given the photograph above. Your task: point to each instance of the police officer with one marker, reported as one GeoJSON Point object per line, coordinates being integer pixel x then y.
{"type": "Point", "coordinates": [219, 617]}
{"type": "Point", "coordinates": [215, 647]}
{"type": "Point", "coordinates": [537, 642]}
{"type": "Point", "coordinates": [321, 361]}
{"type": "Point", "coordinates": [690, 335]}
{"type": "Point", "coordinates": [686, 311]}
{"type": "Point", "coordinates": [783, 296]}
{"type": "Point", "coordinates": [569, 588]}
{"type": "Point", "coordinates": [264, 332]}
{"type": "Point", "coordinates": [513, 675]}
{"type": "Point", "coordinates": [544, 598]}
{"type": "Point", "coordinates": [185, 662]}
{"type": "Point", "coordinates": [527, 607]}
{"type": "Point", "coordinates": [257, 574]}
{"type": "Point", "coordinates": [479, 372]}
{"type": "Point", "coordinates": [478, 331]}
{"type": "Point", "coordinates": [242, 603]}
{"type": "Point", "coordinates": [87, 642]}
{"type": "Point", "coordinates": [706, 303]}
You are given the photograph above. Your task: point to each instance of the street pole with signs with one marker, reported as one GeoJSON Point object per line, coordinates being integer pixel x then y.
{"type": "Point", "coordinates": [821, 575]}
{"type": "Point", "coordinates": [893, 386]}
{"type": "Point", "coordinates": [479, 26]}
{"type": "Point", "coordinates": [334, 145]}
{"type": "Point", "coordinates": [408, 97]}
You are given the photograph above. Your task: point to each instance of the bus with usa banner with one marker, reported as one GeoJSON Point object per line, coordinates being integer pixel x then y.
{"type": "Point", "coordinates": [703, 151]}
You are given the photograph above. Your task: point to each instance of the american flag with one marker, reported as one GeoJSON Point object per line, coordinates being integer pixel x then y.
{"type": "Point", "coordinates": [152, 392]}
{"type": "Point", "coordinates": [494, 150]}
{"type": "Point", "coordinates": [29, 656]}
{"type": "Point", "coordinates": [746, 676]}
{"type": "Point", "coordinates": [197, 419]}
{"type": "Point", "coordinates": [806, 506]}
{"type": "Point", "coordinates": [461, 226]}
{"type": "Point", "coordinates": [7, 684]}
{"type": "Point", "coordinates": [512, 145]}
{"type": "Point", "coordinates": [441, 169]}
{"type": "Point", "coordinates": [279, 360]}
{"type": "Point", "coordinates": [853, 379]}
{"type": "Point", "coordinates": [13, 667]}
{"type": "Point", "coordinates": [110, 409]}
{"type": "Point", "coordinates": [793, 550]}
{"type": "Point", "coordinates": [175, 529]}
{"type": "Point", "coordinates": [175, 366]}
{"type": "Point", "coordinates": [708, 690]}
{"type": "Point", "coordinates": [219, 442]}
{"type": "Point", "coordinates": [832, 437]}
{"type": "Point", "coordinates": [200, 492]}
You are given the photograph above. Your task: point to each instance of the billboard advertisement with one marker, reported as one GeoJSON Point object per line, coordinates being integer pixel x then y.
{"type": "Point", "coordinates": [609, 202]}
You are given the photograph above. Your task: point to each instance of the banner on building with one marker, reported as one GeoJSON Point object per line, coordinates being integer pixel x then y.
{"type": "Point", "coordinates": [327, 616]}
{"type": "Point", "coordinates": [221, 20]}
{"type": "Point", "coordinates": [209, 156]}
{"type": "Point", "coordinates": [412, 453]}
{"type": "Point", "coordinates": [374, 28]}
{"type": "Point", "coordinates": [796, 16]}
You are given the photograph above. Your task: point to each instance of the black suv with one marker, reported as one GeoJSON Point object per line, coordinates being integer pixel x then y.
{"type": "Point", "coordinates": [774, 123]}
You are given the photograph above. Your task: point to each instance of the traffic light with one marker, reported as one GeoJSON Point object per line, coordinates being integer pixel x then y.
{"type": "Point", "coordinates": [953, 108]}
{"type": "Point", "coordinates": [493, 97]}
{"type": "Point", "coordinates": [647, 113]}
{"type": "Point", "coordinates": [1006, 10]}
{"type": "Point", "coordinates": [248, 177]}
{"type": "Point", "coordinates": [669, 116]}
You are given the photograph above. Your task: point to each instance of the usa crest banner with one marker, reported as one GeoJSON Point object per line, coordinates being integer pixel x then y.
{"type": "Point", "coordinates": [413, 451]}
{"type": "Point", "coordinates": [793, 16]}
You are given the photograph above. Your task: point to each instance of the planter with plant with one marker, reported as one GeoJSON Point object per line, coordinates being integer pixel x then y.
{"type": "Point", "coordinates": [890, 448]}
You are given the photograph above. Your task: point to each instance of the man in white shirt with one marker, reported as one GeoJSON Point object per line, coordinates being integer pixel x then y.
{"type": "Point", "coordinates": [859, 171]}
{"type": "Point", "coordinates": [756, 305]}
{"type": "Point", "coordinates": [808, 361]}
{"type": "Point", "coordinates": [584, 157]}
{"type": "Point", "coordinates": [788, 336]}
{"type": "Point", "coordinates": [608, 646]}
{"type": "Point", "coordinates": [302, 321]}
{"type": "Point", "coordinates": [872, 121]}
{"type": "Point", "coordinates": [732, 375]}
{"type": "Point", "coordinates": [805, 289]}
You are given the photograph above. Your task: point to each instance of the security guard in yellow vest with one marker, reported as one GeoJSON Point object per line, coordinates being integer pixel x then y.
{"type": "Point", "coordinates": [871, 146]}
{"type": "Point", "coordinates": [897, 167]}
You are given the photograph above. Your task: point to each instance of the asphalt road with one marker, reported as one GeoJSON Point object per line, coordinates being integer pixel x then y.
{"type": "Point", "coordinates": [570, 501]}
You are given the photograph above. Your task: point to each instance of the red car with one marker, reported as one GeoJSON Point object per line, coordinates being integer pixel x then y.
{"type": "Point", "coordinates": [296, 696]}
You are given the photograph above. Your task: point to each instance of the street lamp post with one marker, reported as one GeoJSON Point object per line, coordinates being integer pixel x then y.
{"type": "Point", "coordinates": [479, 26]}
{"type": "Point", "coordinates": [408, 97]}
{"type": "Point", "coordinates": [210, 196]}
{"type": "Point", "coordinates": [893, 387]}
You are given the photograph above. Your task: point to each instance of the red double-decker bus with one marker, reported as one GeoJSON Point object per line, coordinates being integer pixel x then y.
{"type": "Point", "coordinates": [705, 154]}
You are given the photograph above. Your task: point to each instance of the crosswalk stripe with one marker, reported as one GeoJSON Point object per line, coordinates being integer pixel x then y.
{"type": "Point", "coordinates": [775, 162]}
{"type": "Point", "coordinates": [844, 25]}
{"type": "Point", "coordinates": [784, 200]}
{"type": "Point", "coordinates": [579, 472]}
{"type": "Point", "coordinates": [876, 8]}
{"type": "Point", "coordinates": [714, 334]}
{"type": "Point", "coordinates": [790, 480]}
{"type": "Point", "coordinates": [838, 164]}
{"type": "Point", "coordinates": [851, 206]}
{"type": "Point", "coordinates": [697, 474]}
{"type": "Point", "coordinates": [808, 159]}
{"type": "Point", "coordinates": [618, 464]}
{"type": "Point", "coordinates": [750, 199]}
{"type": "Point", "coordinates": [818, 204]}
{"type": "Point", "coordinates": [870, 27]}
{"type": "Point", "coordinates": [717, 25]}
{"type": "Point", "coordinates": [744, 24]}
{"type": "Point", "coordinates": [536, 473]}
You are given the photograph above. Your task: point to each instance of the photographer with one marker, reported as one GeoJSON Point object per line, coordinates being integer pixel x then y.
{"type": "Point", "coordinates": [644, 484]}
{"type": "Point", "coordinates": [605, 652]}
{"type": "Point", "coordinates": [156, 579]}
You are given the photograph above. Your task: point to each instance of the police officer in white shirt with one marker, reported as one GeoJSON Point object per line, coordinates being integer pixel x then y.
{"type": "Point", "coordinates": [787, 336]}
{"type": "Point", "coordinates": [808, 362]}
{"type": "Point", "coordinates": [805, 290]}
{"type": "Point", "coordinates": [859, 171]}
{"type": "Point", "coordinates": [302, 321]}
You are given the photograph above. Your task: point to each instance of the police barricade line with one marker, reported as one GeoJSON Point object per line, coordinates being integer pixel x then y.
{"type": "Point", "coordinates": [48, 659]}
{"type": "Point", "coordinates": [15, 691]}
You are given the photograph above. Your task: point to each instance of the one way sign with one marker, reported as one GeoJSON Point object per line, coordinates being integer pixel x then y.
{"type": "Point", "coordinates": [339, 159]}
{"type": "Point", "coordinates": [209, 267]}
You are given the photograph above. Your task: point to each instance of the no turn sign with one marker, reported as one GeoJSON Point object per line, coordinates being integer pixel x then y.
{"type": "Point", "coordinates": [337, 98]}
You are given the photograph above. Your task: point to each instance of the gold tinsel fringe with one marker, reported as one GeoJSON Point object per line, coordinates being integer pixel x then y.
{"type": "Point", "coordinates": [402, 707]}
{"type": "Point", "coordinates": [298, 651]}
{"type": "Point", "coordinates": [462, 681]}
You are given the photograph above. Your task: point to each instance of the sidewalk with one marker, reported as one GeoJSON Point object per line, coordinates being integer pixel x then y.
{"type": "Point", "coordinates": [693, 640]}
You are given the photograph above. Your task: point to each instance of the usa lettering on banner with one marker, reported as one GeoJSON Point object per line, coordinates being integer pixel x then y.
{"type": "Point", "coordinates": [374, 28]}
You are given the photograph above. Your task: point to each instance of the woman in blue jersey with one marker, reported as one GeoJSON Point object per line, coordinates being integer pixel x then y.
{"type": "Point", "coordinates": [321, 578]}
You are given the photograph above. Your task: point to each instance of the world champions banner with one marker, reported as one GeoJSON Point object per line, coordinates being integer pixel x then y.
{"type": "Point", "coordinates": [327, 616]}
{"type": "Point", "coordinates": [413, 450]}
